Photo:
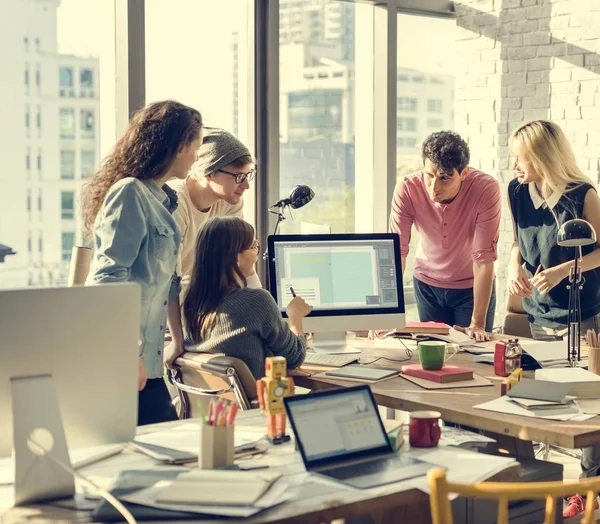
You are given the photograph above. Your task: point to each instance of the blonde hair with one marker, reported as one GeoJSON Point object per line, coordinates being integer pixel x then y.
{"type": "Point", "coordinates": [550, 155]}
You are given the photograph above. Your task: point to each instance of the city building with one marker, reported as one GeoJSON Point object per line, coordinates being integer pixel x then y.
{"type": "Point", "coordinates": [49, 145]}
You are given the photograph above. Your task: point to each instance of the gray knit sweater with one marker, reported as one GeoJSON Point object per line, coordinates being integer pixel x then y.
{"type": "Point", "coordinates": [250, 327]}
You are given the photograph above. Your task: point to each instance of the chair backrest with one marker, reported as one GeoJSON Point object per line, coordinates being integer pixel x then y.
{"type": "Point", "coordinates": [440, 489]}
{"type": "Point", "coordinates": [81, 258]}
{"type": "Point", "coordinates": [516, 322]}
{"type": "Point", "coordinates": [207, 374]}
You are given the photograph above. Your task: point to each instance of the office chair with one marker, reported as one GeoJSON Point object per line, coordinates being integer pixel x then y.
{"type": "Point", "coordinates": [207, 374]}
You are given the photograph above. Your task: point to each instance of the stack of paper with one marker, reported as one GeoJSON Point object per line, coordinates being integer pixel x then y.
{"type": "Point", "coordinates": [543, 398]}
{"type": "Point", "coordinates": [579, 382]}
{"type": "Point", "coordinates": [215, 492]}
{"type": "Point", "coordinates": [229, 488]}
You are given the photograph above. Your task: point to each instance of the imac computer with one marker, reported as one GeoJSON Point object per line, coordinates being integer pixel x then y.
{"type": "Point", "coordinates": [352, 281]}
{"type": "Point", "coordinates": [68, 380]}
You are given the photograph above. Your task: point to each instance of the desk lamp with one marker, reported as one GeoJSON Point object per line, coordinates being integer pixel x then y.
{"type": "Point", "coordinates": [575, 233]}
{"type": "Point", "coordinates": [299, 197]}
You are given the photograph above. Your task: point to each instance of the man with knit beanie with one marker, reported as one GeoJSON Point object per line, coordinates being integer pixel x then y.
{"type": "Point", "coordinates": [214, 187]}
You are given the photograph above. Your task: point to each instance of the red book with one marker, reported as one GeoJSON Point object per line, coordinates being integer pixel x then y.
{"type": "Point", "coordinates": [435, 328]}
{"type": "Point", "coordinates": [443, 376]}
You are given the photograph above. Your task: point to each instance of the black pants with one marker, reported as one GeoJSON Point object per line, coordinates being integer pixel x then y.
{"type": "Point", "coordinates": [154, 403]}
{"type": "Point", "coordinates": [451, 306]}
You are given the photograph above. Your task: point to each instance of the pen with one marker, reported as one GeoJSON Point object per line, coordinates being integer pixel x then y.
{"type": "Point", "coordinates": [292, 292]}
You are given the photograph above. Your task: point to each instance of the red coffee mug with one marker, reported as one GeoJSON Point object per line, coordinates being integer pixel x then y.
{"type": "Point", "coordinates": [424, 430]}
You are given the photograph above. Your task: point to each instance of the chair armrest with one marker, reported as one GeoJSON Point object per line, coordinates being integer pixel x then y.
{"type": "Point", "coordinates": [174, 378]}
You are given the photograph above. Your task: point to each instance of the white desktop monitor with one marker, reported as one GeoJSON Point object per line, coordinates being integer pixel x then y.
{"type": "Point", "coordinates": [353, 282]}
{"type": "Point", "coordinates": [73, 351]}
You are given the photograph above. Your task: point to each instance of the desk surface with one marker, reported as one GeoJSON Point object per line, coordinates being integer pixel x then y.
{"type": "Point", "coordinates": [456, 405]}
{"type": "Point", "coordinates": [314, 501]}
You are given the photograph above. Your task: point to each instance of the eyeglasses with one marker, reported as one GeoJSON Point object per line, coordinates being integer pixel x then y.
{"type": "Point", "coordinates": [240, 178]}
{"type": "Point", "coordinates": [255, 246]}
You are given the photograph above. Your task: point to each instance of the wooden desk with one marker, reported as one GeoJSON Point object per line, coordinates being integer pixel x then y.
{"type": "Point", "coordinates": [456, 405]}
{"type": "Point", "coordinates": [313, 503]}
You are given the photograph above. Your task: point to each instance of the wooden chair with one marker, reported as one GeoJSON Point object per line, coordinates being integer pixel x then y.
{"type": "Point", "coordinates": [441, 510]}
{"type": "Point", "coordinates": [207, 374]}
{"type": "Point", "coordinates": [81, 258]}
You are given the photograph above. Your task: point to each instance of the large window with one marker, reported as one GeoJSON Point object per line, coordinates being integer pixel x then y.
{"type": "Point", "coordinates": [196, 54]}
{"type": "Point", "coordinates": [318, 112]}
{"type": "Point", "coordinates": [426, 63]}
{"type": "Point", "coordinates": [60, 48]}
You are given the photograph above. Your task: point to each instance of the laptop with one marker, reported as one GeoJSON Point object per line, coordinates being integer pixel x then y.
{"type": "Point", "coordinates": [341, 436]}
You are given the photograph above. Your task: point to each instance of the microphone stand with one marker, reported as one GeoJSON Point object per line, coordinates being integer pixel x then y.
{"type": "Point", "coordinates": [279, 211]}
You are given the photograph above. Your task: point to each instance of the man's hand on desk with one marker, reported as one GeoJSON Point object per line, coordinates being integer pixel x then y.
{"type": "Point", "coordinates": [475, 332]}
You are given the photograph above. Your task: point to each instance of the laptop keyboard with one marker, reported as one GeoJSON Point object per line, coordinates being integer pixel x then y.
{"type": "Point", "coordinates": [325, 359]}
{"type": "Point", "coordinates": [361, 469]}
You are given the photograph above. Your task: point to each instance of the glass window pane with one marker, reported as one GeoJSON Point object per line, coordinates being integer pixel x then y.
{"type": "Point", "coordinates": [61, 47]}
{"type": "Point", "coordinates": [88, 163]}
{"type": "Point", "coordinates": [317, 70]}
{"type": "Point", "coordinates": [65, 77]}
{"type": "Point", "coordinates": [67, 204]}
{"type": "Point", "coordinates": [86, 123]}
{"type": "Point", "coordinates": [426, 60]}
{"type": "Point", "coordinates": [68, 241]}
{"type": "Point", "coordinates": [67, 164]}
{"type": "Point", "coordinates": [199, 59]}
{"type": "Point", "coordinates": [67, 122]}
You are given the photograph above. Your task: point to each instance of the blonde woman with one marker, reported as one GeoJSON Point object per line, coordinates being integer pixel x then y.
{"type": "Point", "coordinates": [550, 189]}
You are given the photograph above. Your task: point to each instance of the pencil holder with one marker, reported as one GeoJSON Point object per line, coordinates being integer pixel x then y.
{"type": "Point", "coordinates": [216, 446]}
{"type": "Point", "coordinates": [594, 360]}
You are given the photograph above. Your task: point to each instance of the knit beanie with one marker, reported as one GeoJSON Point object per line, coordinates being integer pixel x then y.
{"type": "Point", "coordinates": [219, 149]}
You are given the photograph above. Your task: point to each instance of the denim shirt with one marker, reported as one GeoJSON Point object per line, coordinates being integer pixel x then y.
{"type": "Point", "coordinates": [136, 240]}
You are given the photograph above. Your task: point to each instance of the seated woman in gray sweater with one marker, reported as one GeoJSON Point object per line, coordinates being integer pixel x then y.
{"type": "Point", "coordinates": [222, 315]}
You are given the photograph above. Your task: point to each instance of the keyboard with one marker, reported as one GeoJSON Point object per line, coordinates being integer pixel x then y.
{"type": "Point", "coordinates": [335, 361]}
{"type": "Point", "coordinates": [361, 469]}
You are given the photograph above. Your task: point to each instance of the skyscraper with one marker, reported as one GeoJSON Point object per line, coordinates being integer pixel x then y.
{"type": "Point", "coordinates": [49, 143]}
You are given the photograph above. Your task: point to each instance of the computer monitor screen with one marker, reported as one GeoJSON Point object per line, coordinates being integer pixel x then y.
{"type": "Point", "coordinates": [337, 424]}
{"type": "Point", "coordinates": [353, 281]}
{"type": "Point", "coordinates": [76, 347]}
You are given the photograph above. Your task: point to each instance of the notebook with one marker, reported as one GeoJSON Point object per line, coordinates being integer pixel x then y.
{"type": "Point", "coordinates": [358, 372]}
{"type": "Point", "coordinates": [444, 375]}
{"type": "Point", "coordinates": [216, 487]}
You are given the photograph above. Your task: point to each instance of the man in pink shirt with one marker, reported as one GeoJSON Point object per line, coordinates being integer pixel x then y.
{"type": "Point", "coordinates": [456, 209]}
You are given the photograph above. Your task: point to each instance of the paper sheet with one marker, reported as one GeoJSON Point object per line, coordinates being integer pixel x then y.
{"type": "Point", "coordinates": [589, 405]}
{"type": "Point", "coordinates": [457, 436]}
{"type": "Point", "coordinates": [146, 497]}
{"type": "Point", "coordinates": [504, 405]}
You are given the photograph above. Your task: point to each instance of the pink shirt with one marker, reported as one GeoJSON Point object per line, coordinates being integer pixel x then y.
{"type": "Point", "coordinates": [453, 235]}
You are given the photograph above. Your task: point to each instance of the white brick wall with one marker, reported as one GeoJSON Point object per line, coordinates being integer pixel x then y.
{"type": "Point", "coordinates": [519, 60]}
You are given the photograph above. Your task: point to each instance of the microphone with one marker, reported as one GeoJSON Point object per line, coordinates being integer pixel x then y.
{"type": "Point", "coordinates": [299, 197]}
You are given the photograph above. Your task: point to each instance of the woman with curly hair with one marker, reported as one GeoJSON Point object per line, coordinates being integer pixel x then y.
{"type": "Point", "coordinates": [128, 207]}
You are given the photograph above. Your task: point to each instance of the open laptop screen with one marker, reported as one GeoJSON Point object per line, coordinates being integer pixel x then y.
{"type": "Point", "coordinates": [335, 425]}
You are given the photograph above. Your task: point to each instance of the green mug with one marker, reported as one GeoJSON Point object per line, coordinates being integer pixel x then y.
{"type": "Point", "coordinates": [433, 354]}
